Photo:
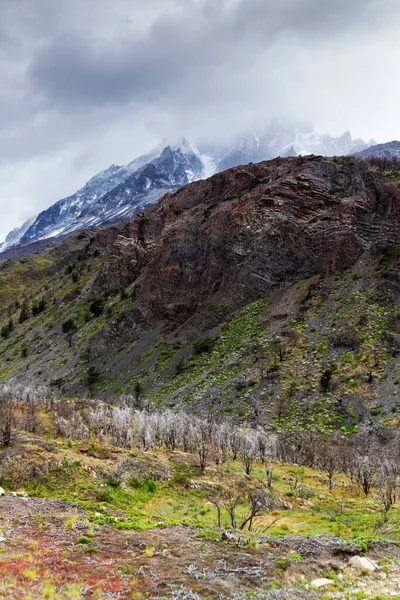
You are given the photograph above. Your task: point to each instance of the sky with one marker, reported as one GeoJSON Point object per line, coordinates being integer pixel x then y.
{"type": "Point", "coordinates": [89, 83]}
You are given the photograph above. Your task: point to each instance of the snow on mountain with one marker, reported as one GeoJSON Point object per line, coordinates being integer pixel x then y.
{"type": "Point", "coordinates": [116, 194]}
{"type": "Point", "coordinates": [16, 234]}
{"type": "Point", "coordinates": [388, 150]}
{"type": "Point", "coordinates": [119, 192]}
{"type": "Point", "coordinates": [285, 140]}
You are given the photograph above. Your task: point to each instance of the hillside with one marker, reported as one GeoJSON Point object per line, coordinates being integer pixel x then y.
{"type": "Point", "coordinates": [267, 292]}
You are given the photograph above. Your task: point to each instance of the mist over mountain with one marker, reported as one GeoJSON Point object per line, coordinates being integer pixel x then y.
{"type": "Point", "coordinates": [388, 150]}
{"type": "Point", "coordinates": [119, 192]}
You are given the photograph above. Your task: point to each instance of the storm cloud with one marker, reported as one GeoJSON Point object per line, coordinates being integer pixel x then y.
{"type": "Point", "coordinates": [87, 83]}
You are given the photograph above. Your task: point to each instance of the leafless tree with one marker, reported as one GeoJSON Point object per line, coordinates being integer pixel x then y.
{"type": "Point", "coordinates": [259, 503]}
{"type": "Point", "coordinates": [248, 452]}
{"type": "Point", "coordinates": [8, 419]}
{"type": "Point", "coordinates": [387, 484]}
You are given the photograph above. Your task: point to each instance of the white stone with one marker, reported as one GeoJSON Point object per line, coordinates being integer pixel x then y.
{"type": "Point", "coordinates": [322, 582]}
{"type": "Point", "coordinates": [2, 539]}
{"type": "Point", "coordinates": [2, 492]}
{"type": "Point", "coordinates": [363, 564]}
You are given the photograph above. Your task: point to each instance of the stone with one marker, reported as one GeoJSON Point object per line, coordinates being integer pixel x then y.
{"type": "Point", "coordinates": [2, 492]}
{"type": "Point", "coordinates": [322, 582]}
{"type": "Point", "coordinates": [363, 564]}
{"type": "Point", "coordinates": [227, 536]}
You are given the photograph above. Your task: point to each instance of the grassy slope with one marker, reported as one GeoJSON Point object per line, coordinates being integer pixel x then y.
{"type": "Point", "coordinates": [168, 490]}
{"type": "Point", "coordinates": [336, 323]}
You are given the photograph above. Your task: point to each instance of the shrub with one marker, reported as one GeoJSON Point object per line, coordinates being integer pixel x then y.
{"type": "Point", "coordinates": [7, 329]}
{"type": "Point", "coordinates": [68, 326]}
{"type": "Point", "coordinates": [92, 375]}
{"type": "Point", "coordinates": [84, 540]}
{"type": "Point", "coordinates": [96, 307]}
{"type": "Point", "coordinates": [24, 314]}
{"type": "Point", "coordinates": [38, 307]}
{"type": "Point", "coordinates": [326, 377]}
{"type": "Point", "coordinates": [147, 485]}
{"type": "Point", "coordinates": [203, 346]}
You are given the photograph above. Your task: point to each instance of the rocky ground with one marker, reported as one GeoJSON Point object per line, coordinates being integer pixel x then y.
{"type": "Point", "coordinates": [49, 549]}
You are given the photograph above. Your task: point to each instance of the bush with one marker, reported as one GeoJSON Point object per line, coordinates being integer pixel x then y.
{"type": "Point", "coordinates": [96, 307]}
{"type": "Point", "coordinates": [24, 314]}
{"type": "Point", "coordinates": [203, 346]}
{"type": "Point", "coordinates": [146, 485]}
{"type": "Point", "coordinates": [92, 375]}
{"type": "Point", "coordinates": [38, 307]}
{"type": "Point", "coordinates": [326, 377]}
{"type": "Point", "coordinates": [68, 326]}
{"type": "Point", "coordinates": [180, 367]}
{"type": "Point", "coordinates": [84, 540]}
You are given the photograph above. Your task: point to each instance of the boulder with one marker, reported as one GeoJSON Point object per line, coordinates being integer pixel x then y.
{"type": "Point", "coordinates": [363, 564]}
{"type": "Point", "coordinates": [322, 582]}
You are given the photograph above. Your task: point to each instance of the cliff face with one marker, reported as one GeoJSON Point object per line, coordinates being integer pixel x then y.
{"type": "Point", "coordinates": [231, 239]}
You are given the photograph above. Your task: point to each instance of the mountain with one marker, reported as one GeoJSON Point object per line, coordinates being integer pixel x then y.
{"type": "Point", "coordinates": [284, 140]}
{"type": "Point", "coordinates": [388, 150]}
{"type": "Point", "coordinates": [219, 293]}
{"type": "Point", "coordinates": [16, 234]}
{"type": "Point", "coordinates": [115, 194]}
{"type": "Point", "coordinates": [119, 192]}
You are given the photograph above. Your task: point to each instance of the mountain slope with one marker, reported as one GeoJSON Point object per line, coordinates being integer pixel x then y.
{"type": "Point", "coordinates": [14, 237]}
{"type": "Point", "coordinates": [388, 150]}
{"type": "Point", "coordinates": [221, 292]}
{"type": "Point", "coordinates": [115, 194]}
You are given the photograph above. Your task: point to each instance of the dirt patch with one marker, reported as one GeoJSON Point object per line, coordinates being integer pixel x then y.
{"type": "Point", "coordinates": [50, 547]}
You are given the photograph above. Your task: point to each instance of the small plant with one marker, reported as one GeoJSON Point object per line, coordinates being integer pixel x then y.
{"type": "Point", "coordinates": [147, 485]}
{"type": "Point", "coordinates": [24, 314]}
{"type": "Point", "coordinates": [282, 563]}
{"type": "Point", "coordinates": [97, 306]}
{"type": "Point", "coordinates": [68, 326]}
{"type": "Point", "coordinates": [209, 534]}
{"type": "Point", "coordinates": [203, 346]}
{"type": "Point", "coordinates": [92, 375]}
{"type": "Point", "coordinates": [84, 540]}
{"type": "Point", "coordinates": [7, 329]}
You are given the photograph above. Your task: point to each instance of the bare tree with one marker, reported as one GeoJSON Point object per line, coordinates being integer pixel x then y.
{"type": "Point", "coordinates": [8, 419]}
{"type": "Point", "coordinates": [203, 440]}
{"type": "Point", "coordinates": [259, 503]}
{"type": "Point", "coordinates": [248, 452]}
{"type": "Point", "coordinates": [235, 441]}
{"type": "Point", "coordinates": [232, 501]}
{"type": "Point", "coordinates": [387, 484]}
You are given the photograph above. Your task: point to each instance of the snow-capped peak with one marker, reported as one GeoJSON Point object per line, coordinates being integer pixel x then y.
{"type": "Point", "coordinates": [118, 192]}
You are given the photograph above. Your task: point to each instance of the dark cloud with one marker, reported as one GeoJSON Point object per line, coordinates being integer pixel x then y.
{"type": "Point", "coordinates": [85, 83]}
{"type": "Point", "coordinates": [202, 41]}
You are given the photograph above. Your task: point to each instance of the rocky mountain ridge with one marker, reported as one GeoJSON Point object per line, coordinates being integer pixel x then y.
{"type": "Point", "coordinates": [389, 150]}
{"type": "Point", "coordinates": [116, 194]}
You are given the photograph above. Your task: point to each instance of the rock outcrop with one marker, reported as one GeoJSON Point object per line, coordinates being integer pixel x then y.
{"type": "Point", "coordinates": [236, 236]}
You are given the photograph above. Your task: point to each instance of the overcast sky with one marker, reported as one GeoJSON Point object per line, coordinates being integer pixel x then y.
{"type": "Point", "coordinates": [88, 83]}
